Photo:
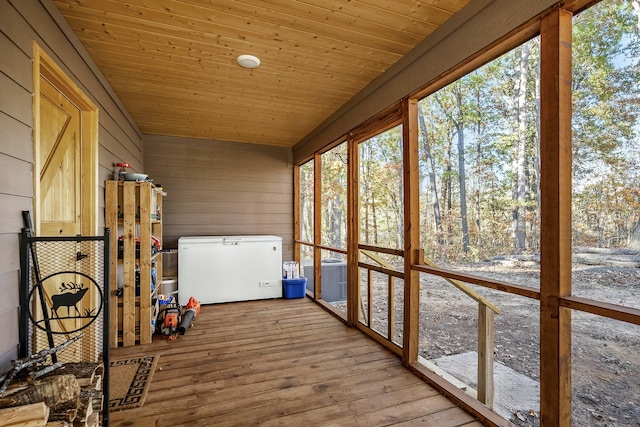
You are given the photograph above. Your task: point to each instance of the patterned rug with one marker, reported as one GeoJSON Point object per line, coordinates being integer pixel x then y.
{"type": "Point", "coordinates": [129, 381]}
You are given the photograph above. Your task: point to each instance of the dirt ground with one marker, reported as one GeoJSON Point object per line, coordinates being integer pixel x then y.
{"type": "Point", "coordinates": [605, 353]}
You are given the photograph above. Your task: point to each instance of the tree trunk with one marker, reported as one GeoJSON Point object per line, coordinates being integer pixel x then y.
{"type": "Point", "coordinates": [374, 219]}
{"type": "Point", "coordinates": [634, 240]}
{"type": "Point", "coordinates": [448, 190]}
{"type": "Point", "coordinates": [400, 207]}
{"type": "Point", "coordinates": [477, 171]}
{"type": "Point", "coordinates": [519, 158]}
{"type": "Point", "coordinates": [335, 229]}
{"type": "Point", "coordinates": [459, 123]}
{"type": "Point", "coordinates": [364, 196]}
{"type": "Point", "coordinates": [435, 203]}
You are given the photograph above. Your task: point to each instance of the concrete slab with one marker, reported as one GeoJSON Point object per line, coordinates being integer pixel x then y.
{"type": "Point", "coordinates": [514, 392]}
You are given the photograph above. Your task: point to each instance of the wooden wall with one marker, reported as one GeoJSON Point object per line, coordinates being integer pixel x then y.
{"type": "Point", "coordinates": [222, 188]}
{"type": "Point", "coordinates": [22, 22]}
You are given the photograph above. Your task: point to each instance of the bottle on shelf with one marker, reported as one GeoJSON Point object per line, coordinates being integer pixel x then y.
{"type": "Point", "coordinates": [122, 171]}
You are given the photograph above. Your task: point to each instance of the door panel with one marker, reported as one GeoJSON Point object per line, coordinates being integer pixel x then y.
{"type": "Point", "coordinates": [59, 157]}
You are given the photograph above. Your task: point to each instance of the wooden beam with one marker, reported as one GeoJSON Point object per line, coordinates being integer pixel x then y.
{"type": "Point", "coordinates": [370, 249]}
{"type": "Point", "coordinates": [471, 405]}
{"type": "Point", "coordinates": [412, 251]}
{"type": "Point", "coordinates": [144, 202]}
{"type": "Point", "coordinates": [612, 311]}
{"type": "Point", "coordinates": [317, 225]}
{"type": "Point", "coordinates": [555, 250]}
{"type": "Point", "coordinates": [391, 312]}
{"type": "Point", "coordinates": [522, 290]}
{"type": "Point", "coordinates": [383, 270]}
{"type": "Point", "coordinates": [111, 222]}
{"type": "Point", "coordinates": [353, 232]}
{"type": "Point", "coordinates": [369, 298]}
{"type": "Point", "coordinates": [296, 216]}
{"type": "Point", "coordinates": [485, 355]}
{"type": "Point", "coordinates": [466, 289]}
{"type": "Point", "coordinates": [129, 322]}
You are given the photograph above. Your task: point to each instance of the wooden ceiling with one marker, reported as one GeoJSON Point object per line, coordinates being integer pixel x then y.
{"type": "Point", "coordinates": [173, 62]}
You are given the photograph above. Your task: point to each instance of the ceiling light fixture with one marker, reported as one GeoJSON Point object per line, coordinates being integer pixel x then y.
{"type": "Point", "coordinates": [248, 61]}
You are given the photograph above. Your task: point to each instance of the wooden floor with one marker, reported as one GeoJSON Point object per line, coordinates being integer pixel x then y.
{"type": "Point", "coordinates": [282, 362]}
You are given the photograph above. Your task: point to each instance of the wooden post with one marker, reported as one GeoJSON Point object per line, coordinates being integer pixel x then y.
{"type": "Point", "coordinates": [391, 325]}
{"type": "Point", "coordinates": [411, 230]}
{"type": "Point", "coordinates": [296, 216]}
{"type": "Point", "coordinates": [145, 262]}
{"type": "Point", "coordinates": [555, 245]}
{"type": "Point", "coordinates": [111, 222]}
{"type": "Point", "coordinates": [369, 298]}
{"type": "Point", "coordinates": [353, 221]}
{"type": "Point", "coordinates": [129, 262]}
{"type": "Point", "coordinates": [485, 355]}
{"type": "Point", "coordinates": [317, 225]}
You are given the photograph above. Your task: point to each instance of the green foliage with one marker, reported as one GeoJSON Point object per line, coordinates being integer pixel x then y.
{"type": "Point", "coordinates": [493, 115]}
{"type": "Point", "coordinates": [306, 193]}
{"type": "Point", "coordinates": [334, 197]}
{"type": "Point", "coordinates": [381, 192]}
{"type": "Point", "coordinates": [488, 104]}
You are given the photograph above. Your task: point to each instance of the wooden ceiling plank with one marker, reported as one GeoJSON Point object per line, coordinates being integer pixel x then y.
{"type": "Point", "coordinates": [203, 107]}
{"type": "Point", "coordinates": [158, 103]}
{"type": "Point", "coordinates": [289, 101]}
{"type": "Point", "coordinates": [273, 139]}
{"type": "Point", "coordinates": [121, 33]}
{"type": "Point", "coordinates": [204, 76]}
{"type": "Point", "coordinates": [338, 83]}
{"type": "Point", "coordinates": [329, 85]}
{"type": "Point", "coordinates": [195, 19]}
{"type": "Point", "coordinates": [173, 62]}
{"type": "Point", "coordinates": [183, 57]}
{"type": "Point", "coordinates": [232, 133]}
{"type": "Point", "coordinates": [338, 15]}
{"type": "Point", "coordinates": [409, 15]}
{"type": "Point", "coordinates": [163, 110]}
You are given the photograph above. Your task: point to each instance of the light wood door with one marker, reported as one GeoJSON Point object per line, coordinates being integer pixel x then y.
{"type": "Point", "coordinates": [60, 160]}
{"type": "Point", "coordinates": [66, 204]}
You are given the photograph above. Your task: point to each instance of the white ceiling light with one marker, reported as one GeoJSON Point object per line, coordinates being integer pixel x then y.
{"type": "Point", "coordinates": [248, 61]}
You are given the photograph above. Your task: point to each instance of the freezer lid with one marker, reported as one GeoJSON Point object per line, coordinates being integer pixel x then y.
{"type": "Point", "coordinates": [231, 240]}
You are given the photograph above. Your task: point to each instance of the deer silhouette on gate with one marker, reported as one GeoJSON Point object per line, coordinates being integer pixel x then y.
{"type": "Point", "coordinates": [68, 299]}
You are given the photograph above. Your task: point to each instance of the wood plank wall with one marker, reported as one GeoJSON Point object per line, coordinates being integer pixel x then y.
{"type": "Point", "coordinates": [22, 22]}
{"type": "Point", "coordinates": [222, 188]}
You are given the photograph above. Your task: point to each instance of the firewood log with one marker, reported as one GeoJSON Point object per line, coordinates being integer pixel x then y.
{"type": "Point", "coordinates": [33, 415]}
{"type": "Point", "coordinates": [53, 391]}
{"type": "Point", "coordinates": [85, 372]}
{"type": "Point", "coordinates": [65, 411]}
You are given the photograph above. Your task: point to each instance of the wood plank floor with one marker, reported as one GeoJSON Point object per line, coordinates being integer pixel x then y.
{"type": "Point", "coordinates": [282, 362]}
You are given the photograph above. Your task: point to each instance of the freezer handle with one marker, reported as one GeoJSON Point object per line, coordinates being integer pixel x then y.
{"type": "Point", "coordinates": [233, 242]}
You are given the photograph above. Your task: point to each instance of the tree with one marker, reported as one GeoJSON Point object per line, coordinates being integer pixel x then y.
{"type": "Point", "coordinates": [431, 172]}
{"type": "Point", "coordinates": [459, 122]}
{"type": "Point", "coordinates": [334, 196]}
{"type": "Point", "coordinates": [306, 201]}
{"type": "Point", "coordinates": [519, 149]}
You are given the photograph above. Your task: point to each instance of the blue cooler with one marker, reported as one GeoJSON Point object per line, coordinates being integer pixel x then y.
{"type": "Point", "coordinates": [294, 288]}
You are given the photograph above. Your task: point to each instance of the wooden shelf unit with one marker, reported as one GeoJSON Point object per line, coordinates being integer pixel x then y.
{"type": "Point", "coordinates": [133, 210]}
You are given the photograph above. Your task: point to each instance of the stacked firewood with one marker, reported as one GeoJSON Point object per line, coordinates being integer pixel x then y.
{"type": "Point", "coordinates": [70, 395]}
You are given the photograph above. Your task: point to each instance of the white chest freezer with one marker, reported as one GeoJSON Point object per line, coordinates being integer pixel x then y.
{"type": "Point", "coordinates": [215, 269]}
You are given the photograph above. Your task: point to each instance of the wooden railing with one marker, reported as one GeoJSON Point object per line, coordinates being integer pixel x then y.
{"type": "Point", "coordinates": [486, 312]}
{"type": "Point", "coordinates": [391, 274]}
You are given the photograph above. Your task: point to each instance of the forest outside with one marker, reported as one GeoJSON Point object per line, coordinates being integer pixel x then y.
{"type": "Point", "coordinates": [479, 141]}
{"type": "Point", "coordinates": [479, 162]}
{"type": "Point", "coordinates": [480, 170]}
